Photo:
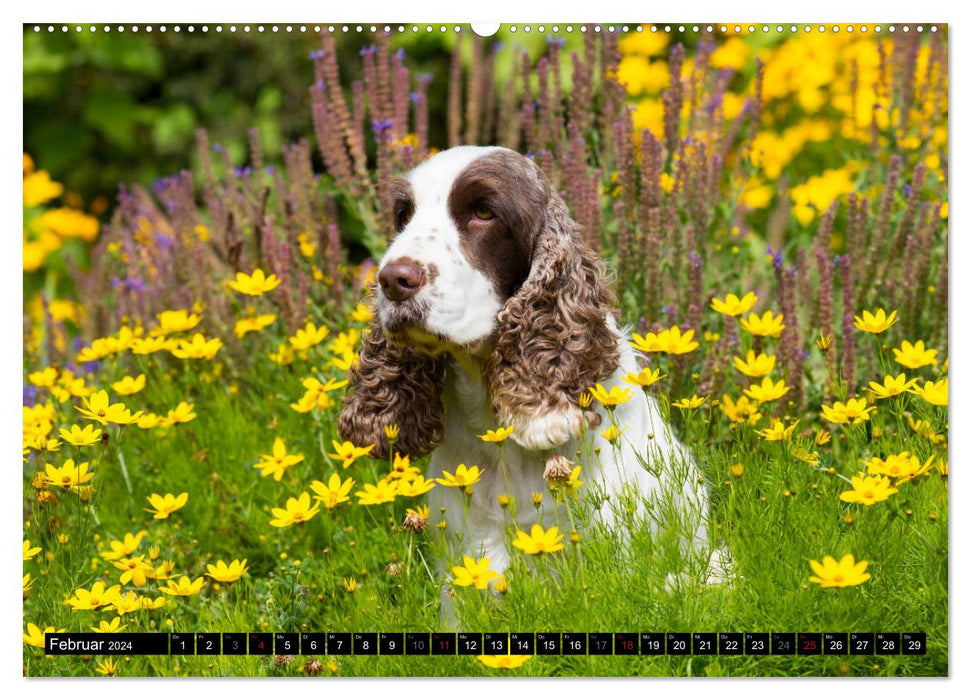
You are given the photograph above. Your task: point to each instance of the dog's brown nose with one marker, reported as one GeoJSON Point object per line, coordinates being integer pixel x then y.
{"type": "Point", "coordinates": [401, 279]}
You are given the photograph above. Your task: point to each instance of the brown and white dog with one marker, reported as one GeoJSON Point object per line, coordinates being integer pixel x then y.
{"type": "Point", "coordinates": [491, 311]}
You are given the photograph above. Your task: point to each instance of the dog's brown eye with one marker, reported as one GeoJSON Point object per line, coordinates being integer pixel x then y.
{"type": "Point", "coordinates": [402, 216]}
{"type": "Point", "coordinates": [483, 213]}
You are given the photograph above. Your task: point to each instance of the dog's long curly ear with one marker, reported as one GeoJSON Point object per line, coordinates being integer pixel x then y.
{"type": "Point", "coordinates": [393, 384]}
{"type": "Point", "coordinates": [554, 336]}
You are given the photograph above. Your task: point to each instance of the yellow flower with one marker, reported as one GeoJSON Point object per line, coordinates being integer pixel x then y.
{"type": "Point", "coordinates": [537, 499]}
{"type": "Point", "coordinates": [822, 437]}
{"type": "Point", "coordinates": [824, 342]}
{"type": "Point", "coordinates": [88, 435]}
{"type": "Point", "coordinates": [473, 573]}
{"type": "Point", "coordinates": [645, 377]}
{"type": "Point", "coordinates": [345, 342]}
{"type": "Point", "coordinates": [347, 452]}
{"type": "Point", "coordinates": [109, 627]}
{"type": "Point", "coordinates": [892, 386]}
{"type": "Point", "coordinates": [391, 431]}
{"type": "Point", "coordinates": [868, 490]}
{"type": "Point", "coordinates": [69, 475]}
{"type": "Point", "coordinates": [902, 466]}
{"type": "Point", "coordinates": [804, 455]}
{"type": "Point", "coordinates": [45, 377]}
{"type": "Point", "coordinates": [362, 314]}
{"type": "Point", "coordinates": [539, 541]}
{"type": "Point", "coordinates": [755, 366]}
{"type": "Point", "coordinates": [96, 407]}
{"type": "Point", "coordinates": [414, 487]}
{"type": "Point", "coordinates": [350, 585]}
{"type": "Point", "coordinates": [845, 573]}
{"type": "Point", "coordinates": [135, 569]}
{"type": "Point", "coordinates": [124, 547]}
{"type": "Point", "coordinates": [737, 470]}
{"type": "Point", "coordinates": [500, 661]}
{"type": "Point", "coordinates": [401, 468]}
{"type": "Point", "coordinates": [93, 599]}
{"type": "Point", "coordinates": [766, 325]}
{"type": "Point", "coordinates": [30, 552]}
{"type": "Point", "coordinates": [933, 392]}
{"type": "Point", "coordinates": [278, 462]}
{"type": "Point", "coordinates": [744, 410]}
{"type": "Point", "coordinates": [611, 434]}
{"type": "Point", "coordinates": [256, 284]}
{"type": "Point", "coordinates": [778, 431]}
{"type": "Point", "coordinates": [298, 511]}
{"type": "Point", "coordinates": [308, 336]}
{"type": "Point", "coordinates": [372, 495]}
{"type": "Point", "coordinates": [767, 390]}
{"type": "Point", "coordinates": [175, 322]}
{"type": "Point", "coordinates": [690, 403]}
{"type": "Point", "coordinates": [914, 356]}
{"type": "Point", "coordinates": [733, 306]}
{"type": "Point", "coordinates": [253, 323]}
{"type": "Point", "coordinates": [198, 348]}
{"type": "Point", "coordinates": [107, 667]}
{"type": "Point", "coordinates": [148, 421]}
{"type": "Point", "coordinates": [617, 395]}
{"type": "Point", "coordinates": [876, 322]}
{"type": "Point", "coordinates": [316, 395]}
{"type": "Point", "coordinates": [464, 476]}
{"type": "Point", "coordinates": [183, 413]}
{"type": "Point", "coordinates": [227, 573]}
{"type": "Point", "coordinates": [39, 188]}
{"type": "Point", "coordinates": [854, 410]}
{"type": "Point", "coordinates": [164, 506]}
{"type": "Point", "coordinates": [670, 341]}
{"type": "Point", "coordinates": [184, 587]}
{"type": "Point", "coordinates": [585, 400]}
{"type": "Point", "coordinates": [34, 636]}
{"type": "Point", "coordinates": [498, 435]}
{"type": "Point", "coordinates": [334, 492]}
{"type": "Point", "coordinates": [147, 346]}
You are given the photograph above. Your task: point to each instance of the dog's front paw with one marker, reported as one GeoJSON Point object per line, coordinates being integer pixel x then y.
{"type": "Point", "coordinates": [548, 430]}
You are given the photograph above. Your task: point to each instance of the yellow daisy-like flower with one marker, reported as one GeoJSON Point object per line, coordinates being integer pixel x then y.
{"type": "Point", "coordinates": [256, 284]}
{"type": "Point", "coordinates": [376, 494]}
{"type": "Point", "coordinates": [308, 336]}
{"type": "Point", "coordinates": [347, 452]}
{"type": "Point", "coordinates": [845, 573]}
{"type": "Point", "coordinates": [123, 547]}
{"type": "Point", "coordinates": [617, 395]}
{"type": "Point", "coordinates": [34, 636]}
{"type": "Point", "coordinates": [933, 392]}
{"type": "Point", "coordinates": [822, 437]}
{"type": "Point", "coordinates": [78, 436]}
{"type": "Point", "coordinates": [297, 511]}
{"type": "Point", "coordinates": [276, 464]}
{"type": "Point", "coordinates": [94, 598]}
{"type": "Point", "coordinates": [362, 314]}
{"type": "Point", "coordinates": [183, 587]}
{"type": "Point", "coordinates": [30, 552]}
{"type": "Point", "coordinates": [402, 468]}
{"type": "Point", "coordinates": [611, 434]}
{"type": "Point", "coordinates": [645, 377]}
{"type": "Point", "coordinates": [539, 541]}
{"type": "Point", "coordinates": [498, 435]}
{"type": "Point", "coordinates": [766, 325]}
{"type": "Point", "coordinates": [500, 661]}
{"type": "Point", "coordinates": [334, 492]}
{"type": "Point", "coordinates": [316, 396]}
{"type": "Point", "coordinates": [767, 390]}
{"type": "Point", "coordinates": [107, 667]}
{"type": "Point", "coordinates": [175, 322]}
{"type": "Point", "coordinates": [892, 386]}
{"type": "Point", "coordinates": [690, 403]}
{"type": "Point", "coordinates": [148, 421]}
{"type": "Point", "coordinates": [350, 585]}
{"type": "Point", "coordinates": [252, 324]}
{"type": "Point", "coordinates": [733, 306]}
{"type": "Point", "coordinates": [164, 506]}
{"type": "Point", "coordinates": [868, 490]}
{"type": "Point", "coordinates": [391, 431]}
{"type": "Point", "coordinates": [755, 365]}
{"type": "Point", "coordinates": [914, 355]}
{"type": "Point", "coordinates": [876, 322]}
{"type": "Point", "coordinates": [473, 573]}
{"type": "Point", "coordinates": [98, 407]}
{"type": "Point", "coordinates": [415, 487]}
{"type": "Point", "coordinates": [198, 348]}
{"type": "Point", "coordinates": [183, 413]}
{"type": "Point", "coordinates": [109, 627]}
{"type": "Point", "coordinates": [464, 476]}
{"type": "Point", "coordinates": [135, 569]}
{"type": "Point", "coordinates": [147, 346]}
{"type": "Point", "coordinates": [744, 410]}
{"type": "Point", "coordinates": [737, 470]}
{"type": "Point", "coordinates": [227, 573]}
{"type": "Point", "coordinates": [44, 378]}
{"type": "Point", "coordinates": [671, 341]}
{"type": "Point", "coordinates": [778, 431]}
{"type": "Point", "coordinates": [68, 475]}
{"type": "Point", "coordinates": [902, 466]}
{"type": "Point", "coordinates": [853, 411]}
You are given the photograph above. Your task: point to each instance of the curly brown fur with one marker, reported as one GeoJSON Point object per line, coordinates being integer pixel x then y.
{"type": "Point", "coordinates": [553, 339]}
{"type": "Point", "coordinates": [393, 384]}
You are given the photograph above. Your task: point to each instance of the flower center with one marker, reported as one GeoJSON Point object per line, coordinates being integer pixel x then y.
{"type": "Point", "coordinates": [868, 494]}
{"type": "Point", "coordinates": [838, 578]}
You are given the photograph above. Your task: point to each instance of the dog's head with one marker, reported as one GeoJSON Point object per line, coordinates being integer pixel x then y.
{"type": "Point", "coordinates": [486, 263]}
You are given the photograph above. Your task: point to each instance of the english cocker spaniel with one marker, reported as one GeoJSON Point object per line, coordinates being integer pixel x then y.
{"type": "Point", "coordinates": [492, 312]}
